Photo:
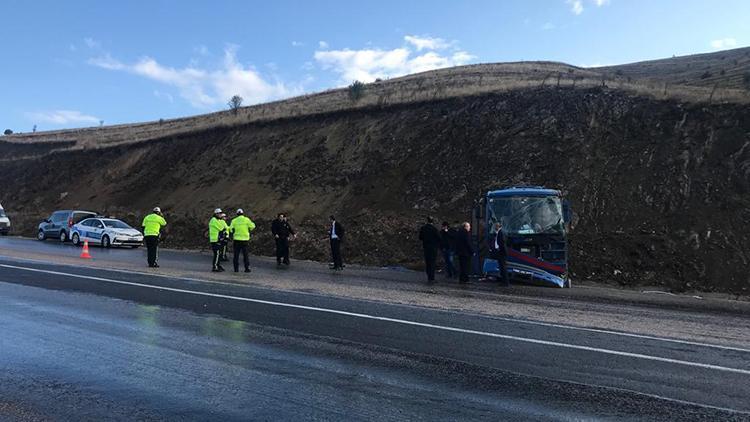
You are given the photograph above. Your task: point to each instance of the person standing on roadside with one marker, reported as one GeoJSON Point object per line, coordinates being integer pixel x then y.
{"type": "Point", "coordinates": [465, 251]}
{"type": "Point", "coordinates": [215, 226]}
{"type": "Point", "coordinates": [152, 225]}
{"type": "Point", "coordinates": [240, 227]}
{"type": "Point", "coordinates": [224, 239]}
{"type": "Point", "coordinates": [281, 230]}
{"type": "Point", "coordinates": [336, 235]}
{"type": "Point", "coordinates": [447, 245]}
{"type": "Point", "coordinates": [499, 250]}
{"type": "Point", "coordinates": [430, 237]}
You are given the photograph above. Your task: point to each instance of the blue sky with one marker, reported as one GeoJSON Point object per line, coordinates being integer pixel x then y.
{"type": "Point", "coordinates": [75, 63]}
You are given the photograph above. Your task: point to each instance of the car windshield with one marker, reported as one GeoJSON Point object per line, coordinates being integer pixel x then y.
{"type": "Point", "coordinates": [527, 215]}
{"type": "Point", "coordinates": [116, 224]}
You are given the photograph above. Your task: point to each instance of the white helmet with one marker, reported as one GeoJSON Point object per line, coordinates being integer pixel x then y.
{"type": "Point", "coordinates": [240, 211]}
{"type": "Point", "coordinates": [157, 209]}
{"type": "Point", "coordinates": [217, 211]}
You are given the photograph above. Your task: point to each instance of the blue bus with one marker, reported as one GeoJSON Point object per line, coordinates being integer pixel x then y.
{"type": "Point", "coordinates": [535, 222]}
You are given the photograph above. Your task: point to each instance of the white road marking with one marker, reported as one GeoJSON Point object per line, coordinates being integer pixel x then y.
{"type": "Point", "coordinates": [399, 321]}
{"type": "Point", "coordinates": [500, 318]}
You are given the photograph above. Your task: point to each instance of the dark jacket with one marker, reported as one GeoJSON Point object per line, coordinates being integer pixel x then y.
{"type": "Point", "coordinates": [448, 239]}
{"type": "Point", "coordinates": [463, 243]}
{"type": "Point", "coordinates": [340, 232]}
{"type": "Point", "coordinates": [430, 236]}
{"type": "Point", "coordinates": [500, 240]}
{"type": "Point", "coordinates": [281, 229]}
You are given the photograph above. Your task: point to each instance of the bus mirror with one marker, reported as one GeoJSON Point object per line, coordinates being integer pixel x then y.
{"type": "Point", "coordinates": [567, 213]}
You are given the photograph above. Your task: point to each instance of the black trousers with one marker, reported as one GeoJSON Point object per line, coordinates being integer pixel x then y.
{"type": "Point", "coordinates": [502, 262]}
{"type": "Point", "coordinates": [336, 253]}
{"type": "Point", "coordinates": [463, 268]}
{"type": "Point", "coordinates": [240, 246]}
{"type": "Point", "coordinates": [152, 247]}
{"type": "Point", "coordinates": [216, 248]}
{"type": "Point", "coordinates": [430, 262]}
{"type": "Point", "coordinates": [282, 250]}
{"type": "Point", "coordinates": [224, 248]}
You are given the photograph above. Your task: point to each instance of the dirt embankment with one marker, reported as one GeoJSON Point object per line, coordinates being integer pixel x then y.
{"type": "Point", "coordinates": [660, 188]}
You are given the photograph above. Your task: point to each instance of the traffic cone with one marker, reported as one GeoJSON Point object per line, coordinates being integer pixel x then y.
{"type": "Point", "coordinates": [85, 253]}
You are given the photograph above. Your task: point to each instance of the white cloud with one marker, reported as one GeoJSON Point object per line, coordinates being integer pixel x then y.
{"type": "Point", "coordinates": [206, 88]}
{"type": "Point", "coordinates": [723, 43]}
{"type": "Point", "coordinates": [426, 43]}
{"type": "Point", "coordinates": [323, 45]}
{"type": "Point", "coordinates": [201, 50]}
{"type": "Point", "coordinates": [164, 96]}
{"type": "Point", "coordinates": [297, 43]}
{"type": "Point", "coordinates": [596, 64]}
{"type": "Point", "coordinates": [72, 47]}
{"type": "Point", "coordinates": [61, 117]}
{"type": "Point", "coordinates": [91, 43]}
{"type": "Point", "coordinates": [576, 6]}
{"type": "Point", "coordinates": [369, 64]}
{"type": "Point", "coordinates": [106, 62]}
{"type": "Point", "coordinates": [548, 26]}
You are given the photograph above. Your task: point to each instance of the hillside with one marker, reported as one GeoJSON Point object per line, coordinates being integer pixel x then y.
{"type": "Point", "coordinates": [685, 79]}
{"type": "Point", "coordinates": [724, 69]}
{"type": "Point", "coordinates": [659, 184]}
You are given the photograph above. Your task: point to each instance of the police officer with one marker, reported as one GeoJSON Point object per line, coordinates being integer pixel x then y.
{"type": "Point", "coordinates": [281, 230]}
{"type": "Point", "coordinates": [224, 239]}
{"type": "Point", "coordinates": [240, 227]}
{"type": "Point", "coordinates": [215, 226]}
{"type": "Point", "coordinates": [152, 225]}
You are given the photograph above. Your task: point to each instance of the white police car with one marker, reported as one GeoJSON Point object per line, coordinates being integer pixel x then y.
{"type": "Point", "coordinates": [106, 232]}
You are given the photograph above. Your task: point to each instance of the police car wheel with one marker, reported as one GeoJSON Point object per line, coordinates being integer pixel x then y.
{"type": "Point", "coordinates": [76, 239]}
{"type": "Point", "coordinates": [105, 242]}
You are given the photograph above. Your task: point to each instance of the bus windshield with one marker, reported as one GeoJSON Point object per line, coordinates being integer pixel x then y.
{"type": "Point", "coordinates": [527, 214]}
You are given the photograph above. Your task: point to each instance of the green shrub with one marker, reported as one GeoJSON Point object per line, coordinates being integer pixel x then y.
{"type": "Point", "coordinates": [356, 90]}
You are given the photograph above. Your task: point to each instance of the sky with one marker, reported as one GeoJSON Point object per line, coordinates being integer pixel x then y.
{"type": "Point", "coordinates": [85, 63]}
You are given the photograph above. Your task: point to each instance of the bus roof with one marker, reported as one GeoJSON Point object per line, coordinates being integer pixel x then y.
{"type": "Point", "coordinates": [523, 191]}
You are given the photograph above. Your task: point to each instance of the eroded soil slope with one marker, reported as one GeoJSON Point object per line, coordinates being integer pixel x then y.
{"type": "Point", "coordinates": [660, 189]}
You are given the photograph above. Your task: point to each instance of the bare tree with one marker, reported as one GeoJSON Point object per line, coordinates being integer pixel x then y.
{"type": "Point", "coordinates": [235, 103]}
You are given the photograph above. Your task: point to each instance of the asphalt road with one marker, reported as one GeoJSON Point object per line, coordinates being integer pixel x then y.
{"type": "Point", "coordinates": [86, 343]}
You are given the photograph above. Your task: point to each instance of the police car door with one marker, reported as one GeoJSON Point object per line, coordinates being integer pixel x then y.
{"type": "Point", "coordinates": [94, 231]}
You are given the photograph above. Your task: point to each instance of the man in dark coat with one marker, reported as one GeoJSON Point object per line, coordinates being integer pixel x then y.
{"type": "Point", "coordinates": [336, 235]}
{"type": "Point", "coordinates": [465, 251]}
{"type": "Point", "coordinates": [281, 230]}
{"type": "Point", "coordinates": [430, 237]}
{"type": "Point", "coordinates": [500, 253]}
{"type": "Point", "coordinates": [447, 246]}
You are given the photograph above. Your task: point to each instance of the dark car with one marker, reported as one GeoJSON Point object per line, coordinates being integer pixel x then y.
{"type": "Point", "coordinates": [59, 224]}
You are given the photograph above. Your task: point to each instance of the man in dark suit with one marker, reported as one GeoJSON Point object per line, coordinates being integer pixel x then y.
{"type": "Point", "coordinates": [447, 244]}
{"type": "Point", "coordinates": [465, 251]}
{"type": "Point", "coordinates": [281, 230]}
{"type": "Point", "coordinates": [336, 234]}
{"type": "Point", "coordinates": [500, 253]}
{"type": "Point", "coordinates": [430, 237]}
